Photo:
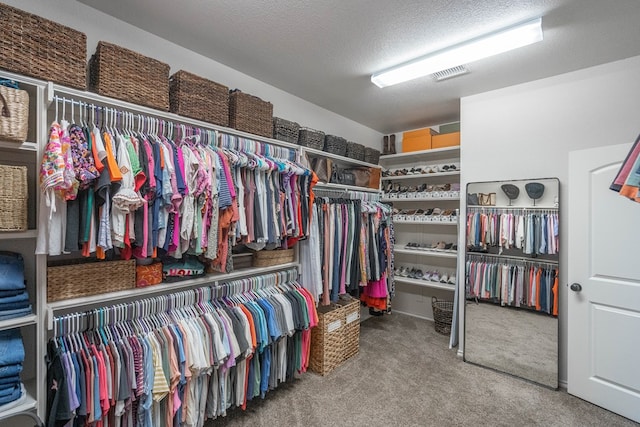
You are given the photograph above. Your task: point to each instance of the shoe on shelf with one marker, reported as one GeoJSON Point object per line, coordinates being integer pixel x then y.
{"type": "Point", "coordinates": [435, 276]}
{"type": "Point", "coordinates": [444, 278]}
{"type": "Point", "coordinates": [452, 279]}
{"type": "Point", "coordinates": [418, 274]}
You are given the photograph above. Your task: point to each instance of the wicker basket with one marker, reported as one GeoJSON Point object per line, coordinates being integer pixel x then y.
{"type": "Point", "coordinates": [196, 97]}
{"type": "Point", "coordinates": [355, 151]}
{"type": "Point", "coordinates": [371, 155]}
{"type": "Point", "coordinates": [14, 120]}
{"type": "Point", "coordinates": [13, 198]}
{"type": "Point", "coordinates": [335, 145]}
{"type": "Point", "coordinates": [311, 138]}
{"type": "Point", "coordinates": [89, 278]}
{"type": "Point", "coordinates": [251, 114]}
{"type": "Point", "coordinates": [33, 46]}
{"type": "Point", "coordinates": [275, 257]}
{"type": "Point", "coordinates": [351, 329]}
{"type": "Point", "coordinates": [285, 130]}
{"type": "Point", "coordinates": [442, 315]}
{"type": "Point", "coordinates": [124, 74]}
{"type": "Point", "coordinates": [326, 340]}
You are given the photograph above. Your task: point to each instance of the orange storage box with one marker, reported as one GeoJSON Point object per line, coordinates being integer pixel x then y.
{"type": "Point", "coordinates": [417, 140]}
{"type": "Point", "coordinates": [446, 140]}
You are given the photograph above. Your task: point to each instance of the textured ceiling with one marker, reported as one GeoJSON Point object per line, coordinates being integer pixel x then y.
{"type": "Point", "coordinates": [325, 51]}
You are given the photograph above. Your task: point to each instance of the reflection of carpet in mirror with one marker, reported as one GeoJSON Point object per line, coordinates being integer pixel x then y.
{"type": "Point", "coordinates": [518, 342]}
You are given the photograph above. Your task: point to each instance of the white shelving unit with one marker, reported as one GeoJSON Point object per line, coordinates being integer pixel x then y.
{"type": "Point", "coordinates": [413, 295]}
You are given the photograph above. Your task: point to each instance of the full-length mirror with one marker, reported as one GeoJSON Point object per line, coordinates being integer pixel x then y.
{"type": "Point", "coordinates": [511, 283]}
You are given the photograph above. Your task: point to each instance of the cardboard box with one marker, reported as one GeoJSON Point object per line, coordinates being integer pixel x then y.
{"type": "Point", "coordinates": [446, 140]}
{"type": "Point", "coordinates": [417, 140]}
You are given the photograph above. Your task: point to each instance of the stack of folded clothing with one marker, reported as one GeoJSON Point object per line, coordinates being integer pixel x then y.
{"type": "Point", "coordinates": [11, 359]}
{"type": "Point", "coordinates": [14, 300]}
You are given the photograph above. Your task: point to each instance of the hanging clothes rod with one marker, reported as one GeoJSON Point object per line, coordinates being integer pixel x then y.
{"type": "Point", "coordinates": [503, 209]}
{"type": "Point", "coordinates": [493, 257]}
{"type": "Point", "coordinates": [233, 142]}
{"type": "Point", "coordinates": [109, 315]}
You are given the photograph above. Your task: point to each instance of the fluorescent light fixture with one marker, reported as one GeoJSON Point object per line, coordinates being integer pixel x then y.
{"type": "Point", "coordinates": [482, 47]}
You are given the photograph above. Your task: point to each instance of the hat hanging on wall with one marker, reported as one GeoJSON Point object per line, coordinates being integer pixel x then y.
{"type": "Point", "coordinates": [535, 190]}
{"type": "Point", "coordinates": [511, 191]}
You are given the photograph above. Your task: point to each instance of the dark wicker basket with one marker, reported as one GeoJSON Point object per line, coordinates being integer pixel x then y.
{"type": "Point", "coordinates": [251, 114]}
{"type": "Point", "coordinates": [199, 98]}
{"type": "Point", "coordinates": [442, 315]}
{"type": "Point", "coordinates": [371, 155]}
{"type": "Point", "coordinates": [285, 130]}
{"type": "Point", "coordinates": [124, 74]}
{"type": "Point", "coordinates": [355, 151]}
{"type": "Point", "coordinates": [335, 145]}
{"type": "Point", "coordinates": [36, 47]}
{"type": "Point", "coordinates": [311, 138]}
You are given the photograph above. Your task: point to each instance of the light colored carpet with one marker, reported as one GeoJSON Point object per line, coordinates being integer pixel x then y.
{"type": "Point", "coordinates": [517, 342]}
{"type": "Point", "coordinates": [406, 376]}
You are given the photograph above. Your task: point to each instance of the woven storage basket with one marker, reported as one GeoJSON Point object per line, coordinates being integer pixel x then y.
{"type": "Point", "coordinates": [355, 151]}
{"type": "Point", "coordinates": [371, 155]}
{"type": "Point", "coordinates": [89, 278]}
{"type": "Point", "coordinates": [14, 116]}
{"type": "Point", "coordinates": [251, 114]}
{"type": "Point", "coordinates": [442, 315]}
{"type": "Point", "coordinates": [124, 74]}
{"type": "Point", "coordinates": [275, 257]}
{"type": "Point", "coordinates": [335, 145]}
{"type": "Point", "coordinates": [326, 340]}
{"type": "Point", "coordinates": [36, 47]}
{"type": "Point", "coordinates": [351, 329]}
{"type": "Point", "coordinates": [285, 130]}
{"type": "Point", "coordinates": [13, 198]}
{"type": "Point", "coordinates": [196, 97]}
{"type": "Point", "coordinates": [311, 138]}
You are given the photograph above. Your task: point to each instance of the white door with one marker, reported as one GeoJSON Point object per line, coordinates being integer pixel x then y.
{"type": "Point", "coordinates": [604, 261]}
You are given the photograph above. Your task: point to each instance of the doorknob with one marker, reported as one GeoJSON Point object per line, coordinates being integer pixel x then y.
{"type": "Point", "coordinates": [576, 287]}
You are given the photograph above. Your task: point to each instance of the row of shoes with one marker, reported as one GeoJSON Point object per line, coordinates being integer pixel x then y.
{"type": "Point", "coordinates": [428, 215]}
{"type": "Point", "coordinates": [434, 191]}
{"type": "Point", "coordinates": [430, 276]}
{"type": "Point", "coordinates": [422, 170]}
{"type": "Point", "coordinates": [440, 246]}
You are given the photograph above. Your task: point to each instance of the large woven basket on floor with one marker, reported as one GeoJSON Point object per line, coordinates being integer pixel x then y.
{"type": "Point", "coordinates": [275, 257]}
{"type": "Point", "coordinates": [196, 97]}
{"type": "Point", "coordinates": [442, 315]}
{"type": "Point", "coordinates": [351, 328]}
{"type": "Point", "coordinates": [285, 130]}
{"type": "Point", "coordinates": [89, 278]}
{"type": "Point", "coordinates": [36, 47]}
{"type": "Point", "coordinates": [311, 138]}
{"type": "Point", "coordinates": [327, 340]}
{"type": "Point", "coordinates": [124, 74]}
{"type": "Point", "coordinates": [14, 115]}
{"type": "Point", "coordinates": [250, 114]}
{"type": "Point", "coordinates": [13, 198]}
{"type": "Point", "coordinates": [335, 145]}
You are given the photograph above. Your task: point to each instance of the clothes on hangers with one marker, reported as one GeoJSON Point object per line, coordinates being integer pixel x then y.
{"type": "Point", "coordinates": [627, 180]}
{"type": "Point", "coordinates": [183, 366]}
{"type": "Point", "coordinates": [533, 232]}
{"type": "Point", "coordinates": [514, 284]}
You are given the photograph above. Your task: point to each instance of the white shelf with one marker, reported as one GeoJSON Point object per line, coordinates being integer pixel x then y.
{"type": "Point", "coordinates": [341, 187]}
{"type": "Point", "coordinates": [435, 154]}
{"type": "Point", "coordinates": [12, 235]}
{"type": "Point", "coordinates": [419, 199]}
{"type": "Point", "coordinates": [27, 403]}
{"type": "Point", "coordinates": [425, 283]}
{"type": "Point", "coordinates": [425, 222]}
{"type": "Point", "coordinates": [18, 322]}
{"type": "Point", "coordinates": [26, 146]}
{"type": "Point", "coordinates": [419, 175]}
{"type": "Point", "coordinates": [208, 279]}
{"type": "Point", "coordinates": [425, 253]}
{"type": "Point", "coordinates": [343, 159]}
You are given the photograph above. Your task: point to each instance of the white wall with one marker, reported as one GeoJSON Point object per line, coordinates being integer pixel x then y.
{"type": "Point", "coordinates": [527, 131]}
{"type": "Point", "coordinates": [99, 26]}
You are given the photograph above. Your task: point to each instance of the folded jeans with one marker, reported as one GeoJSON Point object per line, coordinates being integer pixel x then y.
{"type": "Point", "coordinates": [10, 380]}
{"type": "Point", "coordinates": [20, 297]}
{"type": "Point", "coordinates": [12, 314]}
{"type": "Point", "coordinates": [11, 271]}
{"type": "Point", "coordinates": [10, 370]}
{"type": "Point", "coordinates": [15, 394]}
{"type": "Point", "coordinates": [11, 347]}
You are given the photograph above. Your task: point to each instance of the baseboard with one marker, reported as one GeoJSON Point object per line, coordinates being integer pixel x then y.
{"type": "Point", "coordinates": [412, 315]}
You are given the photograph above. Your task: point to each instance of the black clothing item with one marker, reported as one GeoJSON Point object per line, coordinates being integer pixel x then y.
{"type": "Point", "coordinates": [58, 403]}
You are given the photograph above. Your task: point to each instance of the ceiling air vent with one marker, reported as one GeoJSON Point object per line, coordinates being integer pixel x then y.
{"type": "Point", "coordinates": [450, 73]}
